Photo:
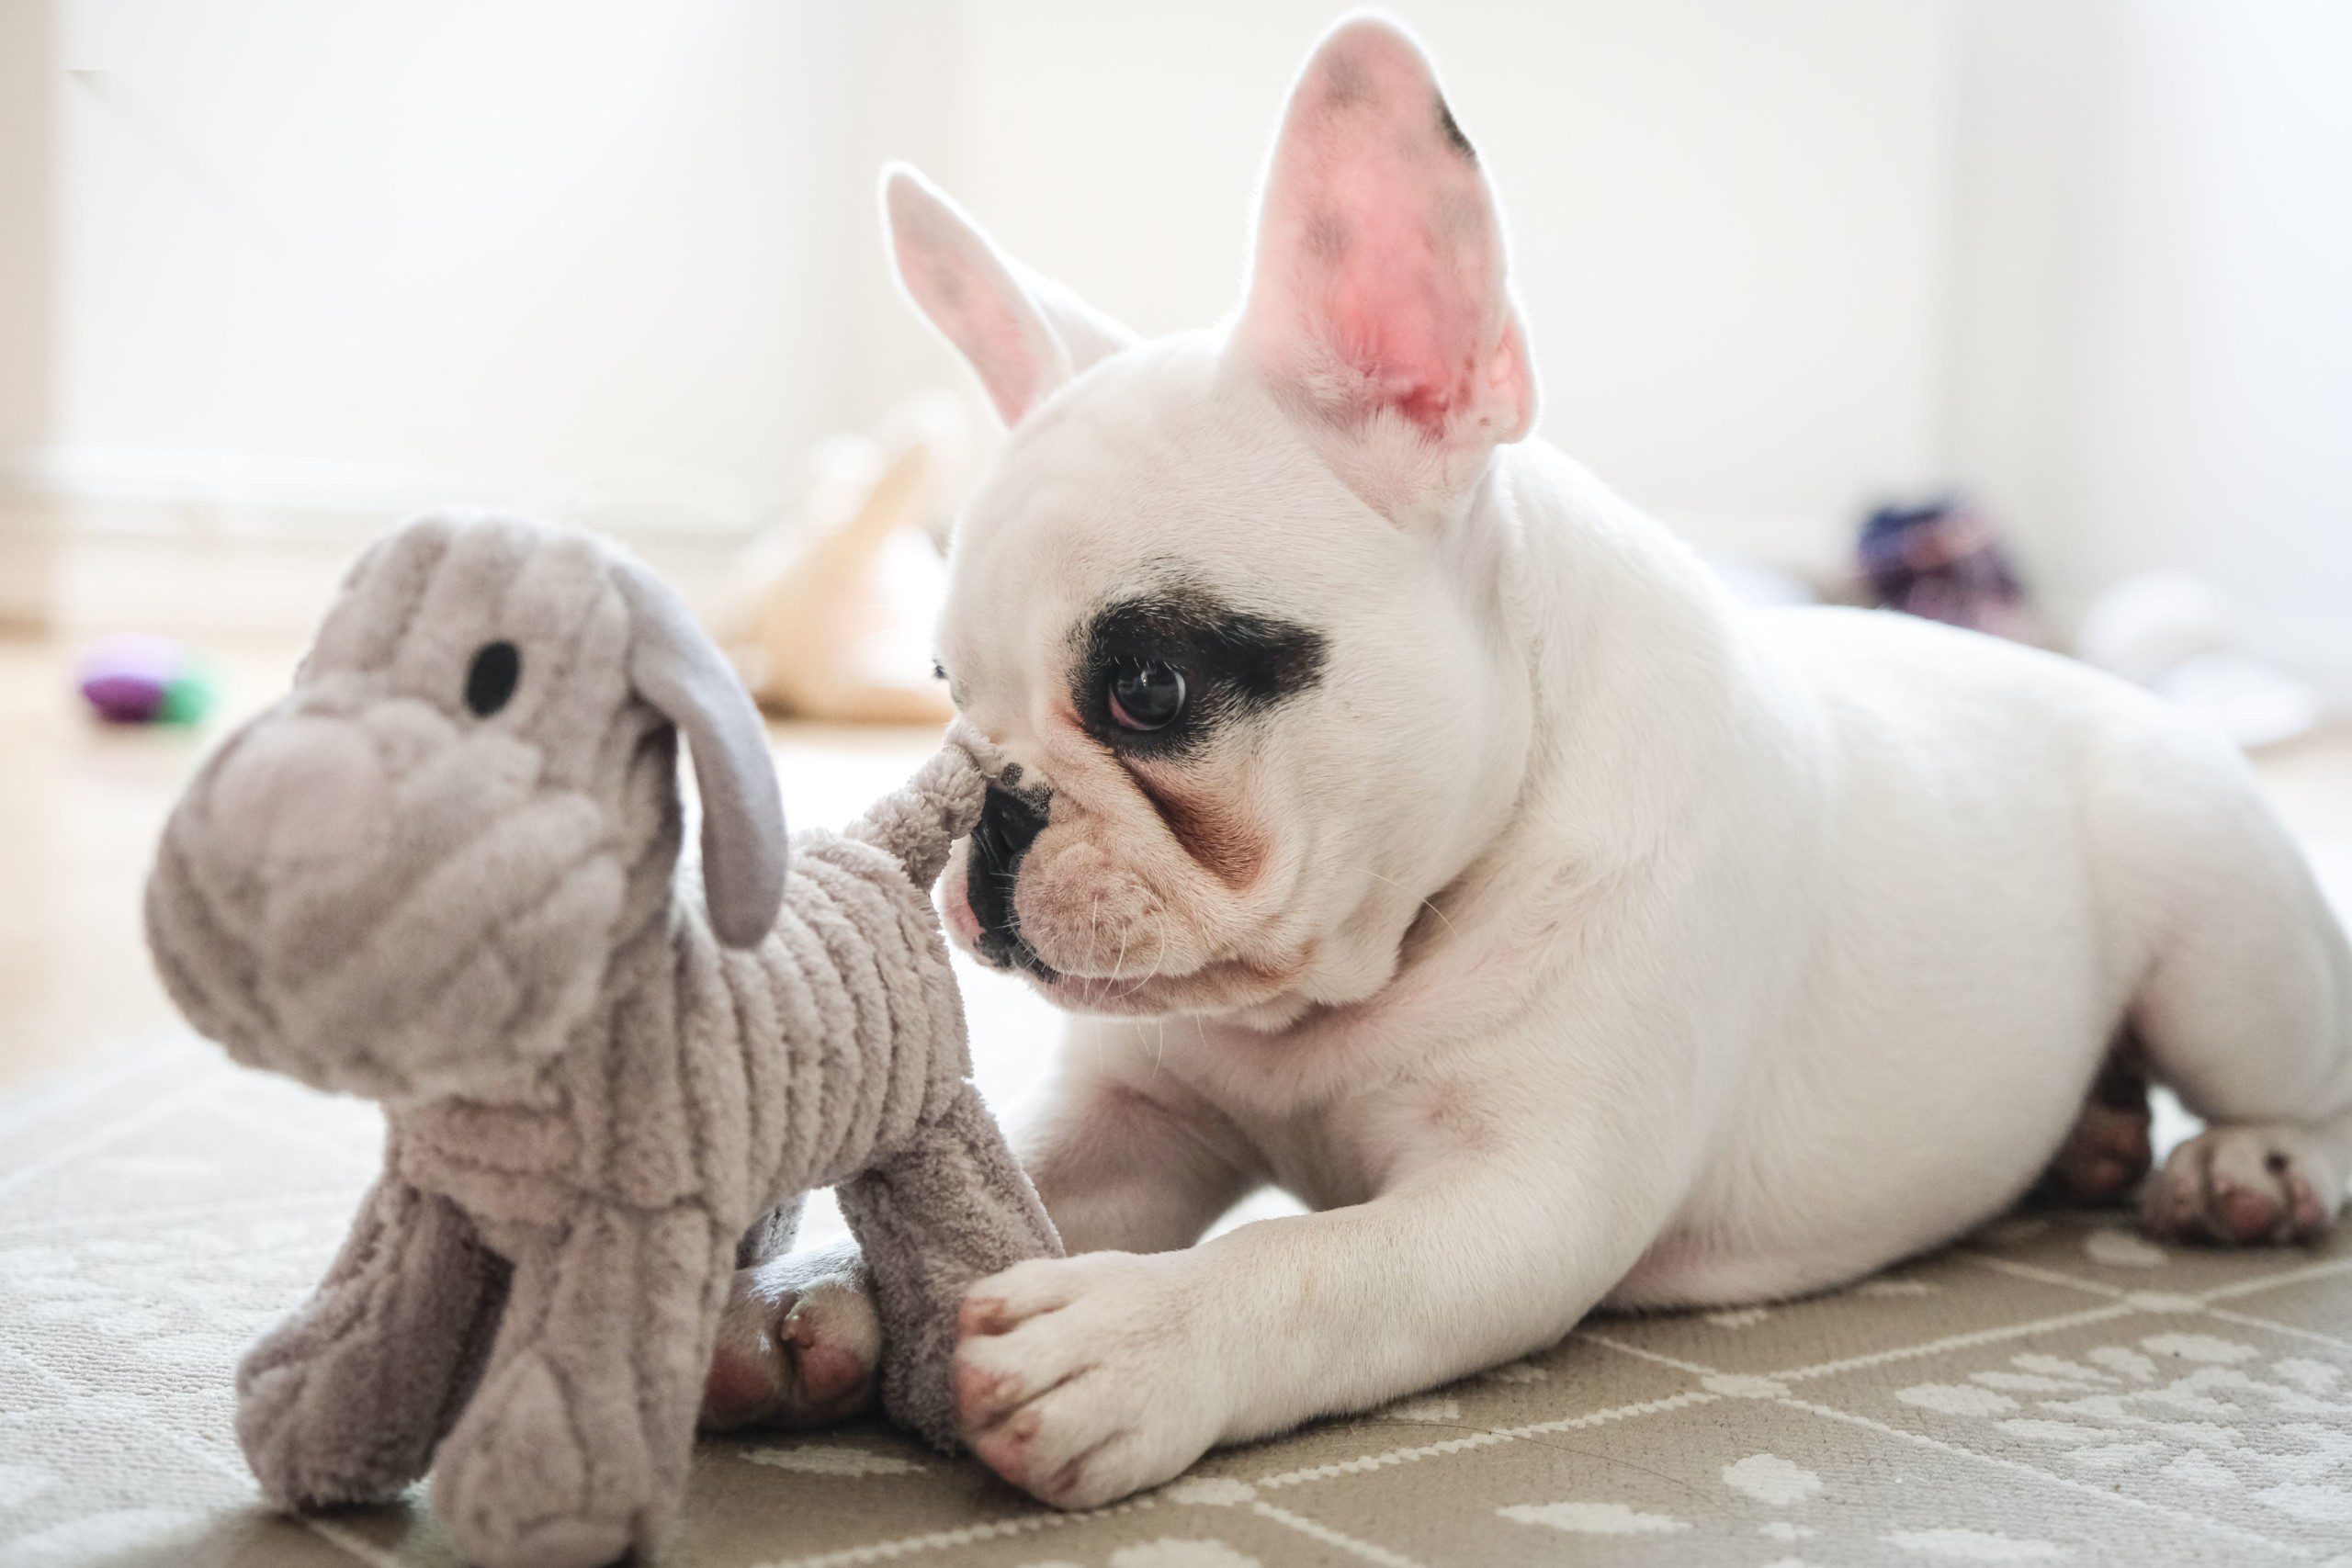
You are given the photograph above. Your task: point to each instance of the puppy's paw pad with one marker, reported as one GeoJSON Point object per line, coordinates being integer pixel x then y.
{"type": "Point", "coordinates": [2243, 1185]}
{"type": "Point", "coordinates": [796, 1358]}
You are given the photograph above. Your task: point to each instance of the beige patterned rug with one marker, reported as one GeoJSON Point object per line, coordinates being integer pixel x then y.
{"type": "Point", "coordinates": [2057, 1390]}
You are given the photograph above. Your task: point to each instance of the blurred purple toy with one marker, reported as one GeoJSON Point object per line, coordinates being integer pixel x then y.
{"type": "Point", "coordinates": [144, 680]}
{"type": "Point", "coordinates": [1945, 561]}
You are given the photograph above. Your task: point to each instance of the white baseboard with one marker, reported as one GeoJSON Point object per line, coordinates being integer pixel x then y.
{"type": "Point", "coordinates": [228, 492]}
{"type": "Point", "coordinates": [2316, 648]}
{"type": "Point", "coordinates": [27, 566]}
{"type": "Point", "coordinates": [268, 587]}
{"type": "Point", "coordinates": [198, 544]}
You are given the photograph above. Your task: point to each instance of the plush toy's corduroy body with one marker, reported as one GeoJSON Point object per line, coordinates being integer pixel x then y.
{"type": "Point", "coordinates": [443, 873]}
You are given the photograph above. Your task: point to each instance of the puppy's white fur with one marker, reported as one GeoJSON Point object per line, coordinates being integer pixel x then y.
{"type": "Point", "coordinates": [1578, 937]}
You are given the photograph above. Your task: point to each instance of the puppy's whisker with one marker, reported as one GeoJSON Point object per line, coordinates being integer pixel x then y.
{"type": "Point", "coordinates": [1093, 927]}
{"type": "Point", "coordinates": [1451, 929]}
{"type": "Point", "coordinates": [1153, 973]}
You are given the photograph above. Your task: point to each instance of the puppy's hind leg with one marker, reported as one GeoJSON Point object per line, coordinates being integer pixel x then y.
{"type": "Point", "coordinates": [2107, 1151]}
{"type": "Point", "coordinates": [2247, 1014]}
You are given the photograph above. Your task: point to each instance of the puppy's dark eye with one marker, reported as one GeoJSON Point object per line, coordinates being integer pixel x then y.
{"type": "Point", "coordinates": [490, 679]}
{"type": "Point", "coordinates": [1146, 696]}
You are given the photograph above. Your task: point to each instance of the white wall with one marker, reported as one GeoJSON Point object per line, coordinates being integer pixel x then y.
{"type": "Point", "coordinates": [28, 256]}
{"type": "Point", "coordinates": [296, 266]}
{"type": "Point", "coordinates": [2152, 320]}
{"type": "Point", "coordinates": [1728, 219]}
{"type": "Point", "coordinates": [573, 252]}
{"type": "Point", "coordinates": [620, 259]}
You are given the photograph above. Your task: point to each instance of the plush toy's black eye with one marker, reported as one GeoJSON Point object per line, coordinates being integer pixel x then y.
{"type": "Point", "coordinates": [490, 680]}
{"type": "Point", "coordinates": [1146, 696]}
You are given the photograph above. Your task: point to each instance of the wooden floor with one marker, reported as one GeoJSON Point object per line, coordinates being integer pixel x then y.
{"type": "Point", "coordinates": [81, 803]}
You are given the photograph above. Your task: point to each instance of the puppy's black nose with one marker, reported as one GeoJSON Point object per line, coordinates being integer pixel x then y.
{"type": "Point", "coordinates": [1008, 825]}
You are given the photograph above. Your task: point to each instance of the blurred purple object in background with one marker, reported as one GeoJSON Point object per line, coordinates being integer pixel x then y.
{"type": "Point", "coordinates": [1945, 561]}
{"type": "Point", "coordinates": [127, 679]}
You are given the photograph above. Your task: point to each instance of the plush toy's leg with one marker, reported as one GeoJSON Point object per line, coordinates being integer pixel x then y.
{"type": "Point", "coordinates": [343, 1402]}
{"type": "Point", "coordinates": [949, 1210]}
{"type": "Point", "coordinates": [575, 1447]}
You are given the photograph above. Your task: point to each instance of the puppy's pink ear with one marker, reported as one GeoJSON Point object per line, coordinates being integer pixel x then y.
{"type": "Point", "coordinates": [1378, 295]}
{"type": "Point", "coordinates": [1024, 334]}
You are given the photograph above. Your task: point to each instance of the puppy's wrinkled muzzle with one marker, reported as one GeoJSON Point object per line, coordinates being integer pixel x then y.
{"type": "Point", "coordinates": [299, 792]}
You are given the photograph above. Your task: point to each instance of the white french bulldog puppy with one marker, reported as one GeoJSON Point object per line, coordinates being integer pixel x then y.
{"type": "Point", "coordinates": [1418, 827]}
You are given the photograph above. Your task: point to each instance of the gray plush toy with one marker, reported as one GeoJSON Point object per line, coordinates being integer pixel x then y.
{"type": "Point", "coordinates": [443, 873]}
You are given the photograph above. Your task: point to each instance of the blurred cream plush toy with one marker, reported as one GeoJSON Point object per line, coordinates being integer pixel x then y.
{"type": "Point", "coordinates": [443, 871]}
{"type": "Point", "coordinates": [828, 614]}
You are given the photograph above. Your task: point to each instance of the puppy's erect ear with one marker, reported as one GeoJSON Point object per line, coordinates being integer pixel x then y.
{"type": "Point", "coordinates": [674, 667]}
{"type": "Point", "coordinates": [1377, 298]}
{"type": "Point", "coordinates": [1024, 334]}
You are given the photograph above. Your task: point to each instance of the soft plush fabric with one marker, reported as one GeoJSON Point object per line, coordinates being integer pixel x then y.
{"type": "Point", "coordinates": [442, 872]}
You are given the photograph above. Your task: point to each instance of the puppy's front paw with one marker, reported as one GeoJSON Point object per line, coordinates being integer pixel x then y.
{"type": "Point", "coordinates": [798, 1345]}
{"type": "Point", "coordinates": [1081, 1380]}
{"type": "Point", "coordinates": [2241, 1185]}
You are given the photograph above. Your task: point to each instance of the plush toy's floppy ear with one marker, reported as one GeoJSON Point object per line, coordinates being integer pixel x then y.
{"type": "Point", "coordinates": [673, 666]}
{"type": "Point", "coordinates": [1024, 334]}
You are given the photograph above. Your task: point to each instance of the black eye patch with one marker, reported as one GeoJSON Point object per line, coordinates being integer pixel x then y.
{"type": "Point", "coordinates": [1235, 662]}
{"type": "Point", "coordinates": [490, 678]}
